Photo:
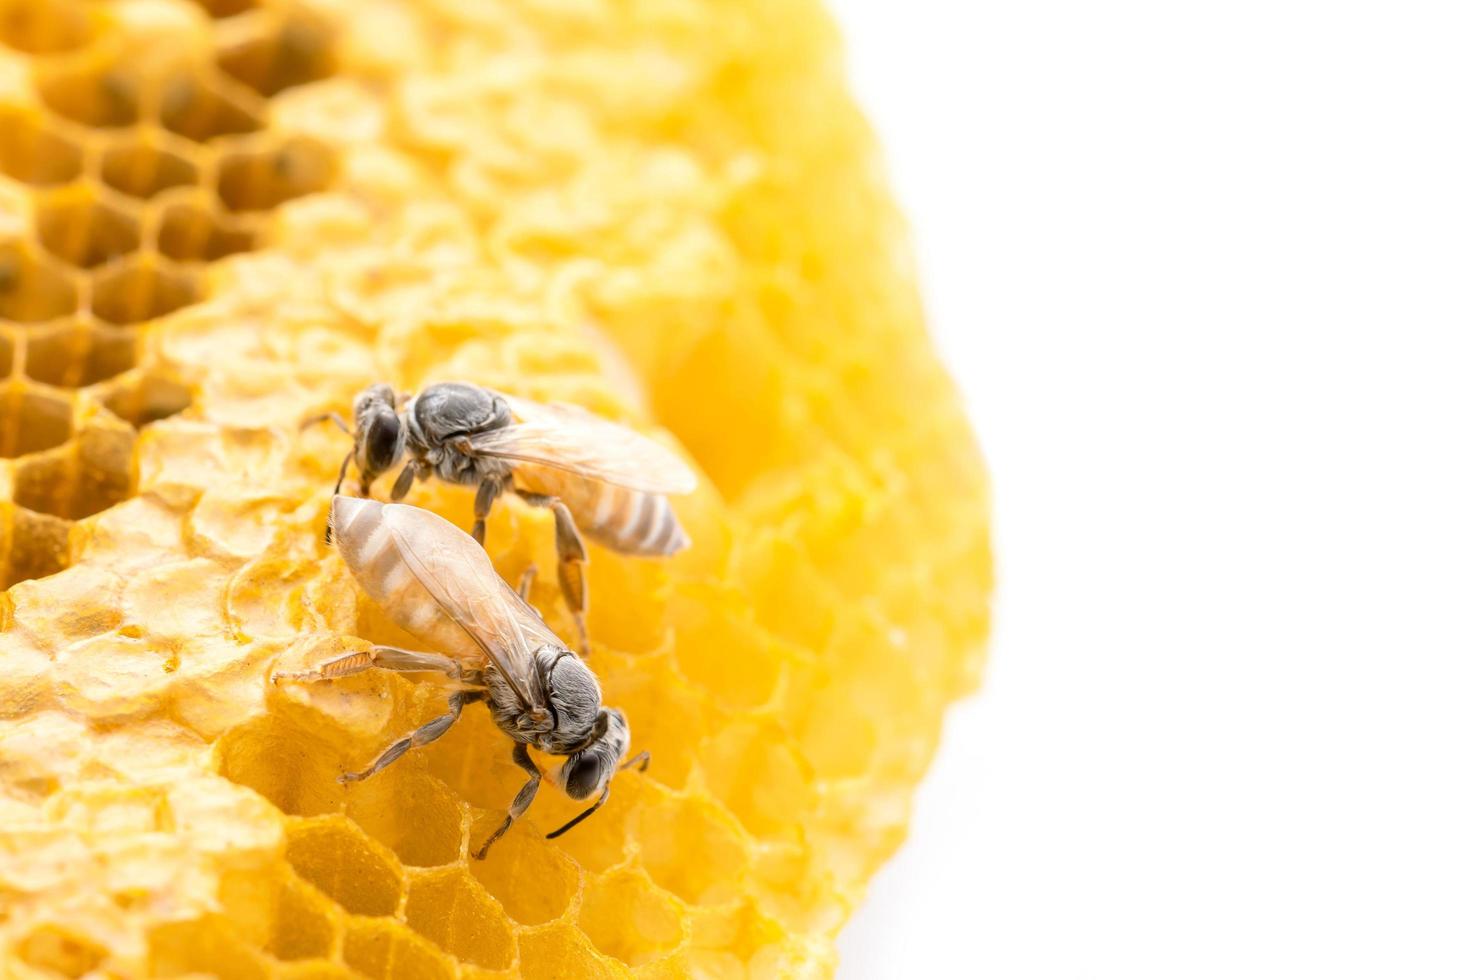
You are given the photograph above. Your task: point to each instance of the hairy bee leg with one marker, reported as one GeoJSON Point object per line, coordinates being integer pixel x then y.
{"type": "Point", "coordinates": [388, 658]}
{"type": "Point", "coordinates": [571, 554]}
{"type": "Point", "coordinates": [341, 475]}
{"type": "Point", "coordinates": [423, 735]}
{"type": "Point", "coordinates": [485, 497]}
{"type": "Point", "coordinates": [528, 578]}
{"type": "Point", "coordinates": [404, 483]}
{"type": "Point", "coordinates": [333, 417]}
{"type": "Point", "coordinates": [640, 760]}
{"type": "Point", "coordinates": [523, 799]}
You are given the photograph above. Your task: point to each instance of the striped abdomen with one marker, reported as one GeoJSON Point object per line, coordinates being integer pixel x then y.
{"type": "Point", "coordinates": [372, 555]}
{"type": "Point", "coordinates": [627, 521]}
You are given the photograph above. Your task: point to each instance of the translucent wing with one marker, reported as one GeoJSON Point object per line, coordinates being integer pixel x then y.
{"type": "Point", "coordinates": [571, 438]}
{"type": "Point", "coordinates": [458, 574]}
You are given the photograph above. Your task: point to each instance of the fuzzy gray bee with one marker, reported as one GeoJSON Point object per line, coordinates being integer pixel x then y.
{"type": "Point", "coordinates": [592, 474]}
{"type": "Point", "coordinates": [440, 586]}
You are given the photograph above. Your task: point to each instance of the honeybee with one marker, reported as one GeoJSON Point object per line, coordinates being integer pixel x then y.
{"type": "Point", "coordinates": [439, 585]}
{"type": "Point", "coordinates": [593, 474]}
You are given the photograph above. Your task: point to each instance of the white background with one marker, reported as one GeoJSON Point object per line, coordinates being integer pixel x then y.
{"type": "Point", "coordinates": [1203, 272]}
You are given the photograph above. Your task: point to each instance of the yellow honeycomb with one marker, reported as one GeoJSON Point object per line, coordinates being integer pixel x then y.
{"type": "Point", "coordinates": [219, 218]}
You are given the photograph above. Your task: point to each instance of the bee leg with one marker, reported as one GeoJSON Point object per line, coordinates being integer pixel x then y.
{"type": "Point", "coordinates": [484, 500]}
{"type": "Point", "coordinates": [570, 554]}
{"type": "Point", "coordinates": [341, 475]}
{"type": "Point", "coordinates": [423, 735]}
{"type": "Point", "coordinates": [388, 658]}
{"type": "Point", "coordinates": [523, 799]}
{"type": "Point", "coordinates": [404, 482]}
{"type": "Point", "coordinates": [333, 417]}
{"type": "Point", "coordinates": [528, 577]}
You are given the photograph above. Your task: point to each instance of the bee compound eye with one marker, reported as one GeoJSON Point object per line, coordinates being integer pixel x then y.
{"type": "Point", "coordinates": [582, 776]}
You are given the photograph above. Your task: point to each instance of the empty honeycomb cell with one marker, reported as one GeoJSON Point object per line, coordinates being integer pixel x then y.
{"type": "Point", "coordinates": [564, 951]}
{"type": "Point", "coordinates": [256, 755]}
{"type": "Point", "coordinates": [136, 290]}
{"type": "Point", "coordinates": [345, 865]}
{"type": "Point", "coordinates": [79, 354]}
{"type": "Point", "coordinates": [78, 228]}
{"type": "Point", "coordinates": [293, 52]}
{"type": "Point", "coordinates": [104, 471]}
{"type": "Point", "coordinates": [301, 929]}
{"type": "Point", "coordinates": [706, 635]}
{"type": "Point", "coordinates": [627, 916]}
{"type": "Point", "coordinates": [257, 180]}
{"type": "Point", "coordinates": [142, 165]}
{"type": "Point", "coordinates": [58, 950]}
{"type": "Point", "coordinates": [450, 908]}
{"type": "Point", "coordinates": [386, 950]}
{"type": "Point", "coordinates": [737, 936]}
{"type": "Point", "coordinates": [146, 399]}
{"type": "Point", "coordinates": [838, 741]}
{"type": "Point", "coordinates": [103, 95]}
{"type": "Point", "coordinates": [751, 768]}
{"type": "Point", "coordinates": [33, 545]}
{"type": "Point", "coordinates": [207, 946]}
{"type": "Point", "coordinates": [32, 153]}
{"type": "Point", "coordinates": [32, 421]}
{"type": "Point", "coordinates": [7, 354]}
{"type": "Point", "coordinates": [33, 288]}
{"type": "Point", "coordinates": [190, 231]}
{"type": "Point", "coordinates": [220, 9]}
{"type": "Point", "coordinates": [520, 856]}
{"type": "Point", "coordinates": [200, 109]}
{"type": "Point", "coordinates": [668, 832]}
{"type": "Point", "coordinates": [412, 812]}
{"type": "Point", "coordinates": [43, 26]}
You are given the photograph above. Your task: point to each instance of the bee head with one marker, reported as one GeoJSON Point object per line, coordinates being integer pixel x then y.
{"type": "Point", "coordinates": [587, 771]}
{"type": "Point", "coordinates": [379, 430]}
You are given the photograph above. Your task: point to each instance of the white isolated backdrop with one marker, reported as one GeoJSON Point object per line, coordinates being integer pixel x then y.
{"type": "Point", "coordinates": [1203, 273]}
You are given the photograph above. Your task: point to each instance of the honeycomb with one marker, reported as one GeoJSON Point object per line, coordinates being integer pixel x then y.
{"type": "Point", "coordinates": [222, 217]}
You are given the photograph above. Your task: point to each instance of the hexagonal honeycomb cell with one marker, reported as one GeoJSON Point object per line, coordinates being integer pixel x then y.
{"type": "Point", "coordinates": [221, 217]}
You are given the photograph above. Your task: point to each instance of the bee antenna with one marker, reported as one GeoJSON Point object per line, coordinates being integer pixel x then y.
{"type": "Point", "coordinates": [583, 815]}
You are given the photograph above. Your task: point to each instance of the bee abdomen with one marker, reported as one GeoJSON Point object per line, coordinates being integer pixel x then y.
{"type": "Point", "coordinates": [628, 521]}
{"type": "Point", "coordinates": [633, 522]}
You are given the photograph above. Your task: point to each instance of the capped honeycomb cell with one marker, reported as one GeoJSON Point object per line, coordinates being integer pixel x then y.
{"type": "Point", "coordinates": [192, 230]}
{"type": "Point", "coordinates": [33, 287]}
{"type": "Point", "coordinates": [292, 52]}
{"type": "Point", "coordinates": [142, 165]}
{"type": "Point", "coordinates": [200, 109]}
{"type": "Point", "coordinates": [43, 26]}
{"type": "Point", "coordinates": [135, 290]}
{"type": "Point", "coordinates": [79, 353]}
{"type": "Point", "coordinates": [58, 950]}
{"type": "Point", "coordinates": [259, 179]}
{"type": "Point", "coordinates": [32, 152]}
{"type": "Point", "coordinates": [79, 228]}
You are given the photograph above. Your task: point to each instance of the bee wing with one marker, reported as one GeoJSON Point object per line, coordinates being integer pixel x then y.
{"type": "Point", "coordinates": [458, 574]}
{"type": "Point", "coordinates": [568, 437]}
